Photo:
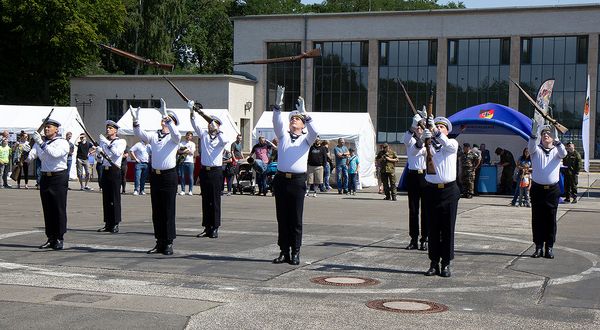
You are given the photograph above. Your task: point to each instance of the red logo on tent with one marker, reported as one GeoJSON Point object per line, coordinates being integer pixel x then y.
{"type": "Point", "coordinates": [486, 114]}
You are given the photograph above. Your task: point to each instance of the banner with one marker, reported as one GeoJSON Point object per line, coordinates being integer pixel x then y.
{"type": "Point", "coordinates": [585, 129]}
{"type": "Point", "coordinates": [543, 99]}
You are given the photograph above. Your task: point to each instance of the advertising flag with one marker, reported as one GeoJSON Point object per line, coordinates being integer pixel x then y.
{"type": "Point", "coordinates": [585, 129]}
{"type": "Point", "coordinates": [543, 99]}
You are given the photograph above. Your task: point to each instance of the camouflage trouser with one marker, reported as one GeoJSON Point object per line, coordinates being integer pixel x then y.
{"type": "Point", "coordinates": [570, 185]}
{"type": "Point", "coordinates": [468, 181]}
{"type": "Point", "coordinates": [389, 184]}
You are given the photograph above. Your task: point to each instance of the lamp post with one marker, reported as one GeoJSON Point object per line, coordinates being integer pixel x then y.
{"type": "Point", "coordinates": [83, 104]}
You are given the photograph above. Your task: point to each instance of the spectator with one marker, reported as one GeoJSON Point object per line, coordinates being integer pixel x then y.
{"type": "Point", "coordinates": [572, 165]}
{"type": "Point", "coordinates": [341, 166]}
{"type": "Point", "coordinates": [485, 155]}
{"type": "Point", "coordinates": [524, 186]}
{"type": "Point", "coordinates": [140, 154]}
{"type": "Point", "coordinates": [4, 162]}
{"type": "Point", "coordinates": [507, 162]}
{"type": "Point", "coordinates": [469, 162]}
{"type": "Point", "coordinates": [68, 137]}
{"type": "Point", "coordinates": [84, 148]}
{"type": "Point", "coordinates": [378, 172]}
{"type": "Point", "coordinates": [388, 159]}
{"type": "Point", "coordinates": [260, 154]}
{"type": "Point", "coordinates": [236, 148]}
{"type": "Point", "coordinates": [353, 168]}
{"type": "Point", "coordinates": [20, 153]}
{"type": "Point", "coordinates": [228, 170]}
{"type": "Point", "coordinates": [524, 162]}
{"type": "Point", "coordinates": [328, 167]}
{"type": "Point", "coordinates": [316, 162]}
{"type": "Point", "coordinates": [124, 170]}
{"type": "Point", "coordinates": [185, 157]}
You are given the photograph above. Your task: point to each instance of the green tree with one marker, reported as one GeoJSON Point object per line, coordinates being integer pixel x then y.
{"type": "Point", "coordinates": [268, 7]}
{"type": "Point", "coordinates": [45, 42]}
{"type": "Point", "coordinates": [383, 5]}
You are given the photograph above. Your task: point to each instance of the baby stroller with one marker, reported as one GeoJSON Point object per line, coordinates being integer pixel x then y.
{"type": "Point", "coordinates": [244, 179]}
{"type": "Point", "coordinates": [270, 173]}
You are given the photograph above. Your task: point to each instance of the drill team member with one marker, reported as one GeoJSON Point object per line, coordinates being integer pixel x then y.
{"type": "Point", "coordinates": [289, 182]}
{"type": "Point", "coordinates": [54, 182]}
{"type": "Point", "coordinates": [212, 143]}
{"type": "Point", "coordinates": [415, 183]}
{"type": "Point", "coordinates": [441, 196]}
{"type": "Point", "coordinates": [113, 147]}
{"type": "Point", "coordinates": [163, 177]}
{"type": "Point", "coordinates": [545, 164]}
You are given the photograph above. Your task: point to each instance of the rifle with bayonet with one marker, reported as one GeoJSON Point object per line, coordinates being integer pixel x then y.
{"type": "Point", "coordinates": [309, 54]}
{"type": "Point", "coordinates": [16, 171]}
{"type": "Point", "coordinates": [197, 106]}
{"type": "Point", "coordinates": [537, 107]}
{"type": "Point", "coordinates": [102, 153]}
{"type": "Point", "coordinates": [429, 158]}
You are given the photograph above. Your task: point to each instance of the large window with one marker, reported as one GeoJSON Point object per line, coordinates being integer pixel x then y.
{"type": "Point", "coordinates": [478, 71]}
{"type": "Point", "coordinates": [341, 77]}
{"type": "Point", "coordinates": [286, 74]}
{"type": "Point", "coordinates": [597, 139]}
{"type": "Point", "coordinates": [116, 108]}
{"type": "Point", "coordinates": [413, 62]}
{"type": "Point", "coordinates": [565, 60]}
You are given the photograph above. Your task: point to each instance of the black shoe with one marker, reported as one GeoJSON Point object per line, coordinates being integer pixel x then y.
{"type": "Point", "coordinates": [158, 248]}
{"type": "Point", "coordinates": [168, 250]}
{"type": "Point", "coordinates": [49, 243]}
{"type": "Point", "coordinates": [58, 245]}
{"type": "Point", "coordinates": [411, 246]}
{"type": "Point", "coordinates": [394, 198]}
{"type": "Point", "coordinates": [103, 229]}
{"type": "Point", "coordinates": [205, 233]}
{"type": "Point", "coordinates": [434, 269]}
{"type": "Point", "coordinates": [548, 253]}
{"type": "Point", "coordinates": [567, 200]}
{"type": "Point", "coordinates": [115, 229]}
{"type": "Point", "coordinates": [423, 246]}
{"type": "Point", "coordinates": [537, 253]}
{"type": "Point", "coordinates": [214, 233]}
{"type": "Point", "coordinates": [284, 257]}
{"type": "Point", "coordinates": [386, 198]}
{"type": "Point", "coordinates": [574, 201]}
{"type": "Point", "coordinates": [295, 260]}
{"type": "Point", "coordinates": [445, 271]}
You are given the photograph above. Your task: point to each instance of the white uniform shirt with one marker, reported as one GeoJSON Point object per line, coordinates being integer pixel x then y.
{"type": "Point", "coordinates": [163, 147]}
{"type": "Point", "coordinates": [444, 160]}
{"type": "Point", "coordinates": [114, 150]}
{"type": "Point", "coordinates": [189, 158]}
{"type": "Point", "coordinates": [52, 153]}
{"type": "Point", "coordinates": [545, 165]}
{"type": "Point", "coordinates": [211, 149]}
{"type": "Point", "coordinates": [415, 155]}
{"type": "Point", "coordinates": [292, 155]}
{"type": "Point", "coordinates": [141, 152]}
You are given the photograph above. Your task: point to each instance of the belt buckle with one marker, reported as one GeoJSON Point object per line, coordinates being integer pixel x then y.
{"type": "Point", "coordinates": [440, 186]}
{"type": "Point", "coordinates": [157, 171]}
{"type": "Point", "coordinates": [48, 173]}
{"type": "Point", "coordinates": [208, 168]}
{"type": "Point", "coordinates": [546, 187]}
{"type": "Point", "coordinates": [288, 175]}
{"type": "Point", "coordinates": [420, 171]}
{"type": "Point", "coordinates": [106, 168]}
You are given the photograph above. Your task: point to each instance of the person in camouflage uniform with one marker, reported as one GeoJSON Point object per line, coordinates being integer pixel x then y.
{"type": "Point", "coordinates": [388, 159]}
{"type": "Point", "coordinates": [572, 165]}
{"type": "Point", "coordinates": [469, 162]}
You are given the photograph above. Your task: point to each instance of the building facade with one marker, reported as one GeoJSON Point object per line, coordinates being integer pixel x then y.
{"type": "Point", "coordinates": [456, 58]}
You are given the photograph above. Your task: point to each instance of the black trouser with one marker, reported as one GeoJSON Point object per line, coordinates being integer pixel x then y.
{"type": "Point", "coordinates": [544, 204]}
{"type": "Point", "coordinates": [506, 180]}
{"type": "Point", "coordinates": [570, 185]}
{"type": "Point", "coordinates": [441, 205]}
{"type": "Point", "coordinates": [211, 184]}
{"type": "Point", "coordinates": [111, 196]}
{"type": "Point", "coordinates": [289, 192]}
{"type": "Point", "coordinates": [23, 173]}
{"type": "Point", "coordinates": [163, 190]}
{"type": "Point", "coordinates": [123, 176]}
{"type": "Point", "coordinates": [415, 183]}
{"type": "Point", "coordinates": [53, 192]}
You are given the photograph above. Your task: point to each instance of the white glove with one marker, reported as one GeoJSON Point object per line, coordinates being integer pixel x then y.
{"type": "Point", "coordinates": [279, 97]}
{"type": "Point", "coordinates": [430, 122]}
{"type": "Point", "coordinates": [26, 148]}
{"type": "Point", "coordinates": [163, 108]}
{"type": "Point", "coordinates": [423, 113]}
{"type": "Point", "coordinates": [534, 128]}
{"type": "Point", "coordinates": [554, 134]}
{"type": "Point", "coordinates": [191, 104]}
{"type": "Point", "coordinates": [103, 139]}
{"type": "Point", "coordinates": [415, 122]}
{"type": "Point", "coordinates": [37, 137]}
{"type": "Point", "coordinates": [426, 135]}
{"type": "Point", "coordinates": [300, 106]}
{"type": "Point", "coordinates": [134, 113]}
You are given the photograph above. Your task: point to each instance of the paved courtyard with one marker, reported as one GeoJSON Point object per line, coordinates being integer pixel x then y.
{"type": "Point", "coordinates": [103, 280]}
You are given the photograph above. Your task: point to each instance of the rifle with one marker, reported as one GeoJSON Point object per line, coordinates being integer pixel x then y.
{"type": "Point", "coordinates": [16, 171]}
{"type": "Point", "coordinates": [429, 157]}
{"type": "Point", "coordinates": [309, 54]}
{"type": "Point", "coordinates": [197, 106]}
{"type": "Point", "coordinates": [551, 120]}
{"type": "Point", "coordinates": [412, 107]}
{"type": "Point", "coordinates": [95, 143]}
{"type": "Point", "coordinates": [137, 58]}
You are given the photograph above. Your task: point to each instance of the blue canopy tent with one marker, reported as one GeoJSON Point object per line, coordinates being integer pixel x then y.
{"type": "Point", "coordinates": [490, 118]}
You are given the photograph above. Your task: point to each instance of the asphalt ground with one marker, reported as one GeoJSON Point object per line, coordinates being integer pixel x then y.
{"type": "Point", "coordinates": [102, 280]}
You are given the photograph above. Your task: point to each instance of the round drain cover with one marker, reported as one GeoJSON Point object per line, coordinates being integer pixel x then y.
{"type": "Point", "coordinates": [407, 306]}
{"type": "Point", "coordinates": [344, 280]}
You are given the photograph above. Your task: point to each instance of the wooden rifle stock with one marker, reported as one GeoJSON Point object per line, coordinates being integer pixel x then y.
{"type": "Point", "coordinates": [429, 157]}
{"type": "Point", "coordinates": [197, 106]}
{"type": "Point", "coordinates": [95, 143]}
{"type": "Point", "coordinates": [562, 129]}
{"type": "Point", "coordinates": [309, 54]}
{"type": "Point", "coordinates": [137, 58]}
{"type": "Point", "coordinates": [16, 171]}
{"type": "Point", "coordinates": [412, 107]}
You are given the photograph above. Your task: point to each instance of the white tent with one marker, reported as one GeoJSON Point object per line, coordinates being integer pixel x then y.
{"type": "Point", "coordinates": [150, 118]}
{"type": "Point", "coordinates": [17, 118]}
{"type": "Point", "coordinates": [352, 127]}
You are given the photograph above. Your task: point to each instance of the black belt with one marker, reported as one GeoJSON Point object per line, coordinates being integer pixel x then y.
{"type": "Point", "coordinates": [109, 167]}
{"type": "Point", "coordinates": [53, 173]}
{"type": "Point", "coordinates": [545, 186]}
{"type": "Point", "coordinates": [441, 185]}
{"type": "Point", "coordinates": [289, 175]}
{"type": "Point", "coordinates": [155, 171]}
{"type": "Point", "coordinates": [416, 171]}
{"type": "Point", "coordinates": [210, 168]}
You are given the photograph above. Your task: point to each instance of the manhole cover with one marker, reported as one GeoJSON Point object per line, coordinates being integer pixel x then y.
{"type": "Point", "coordinates": [407, 306]}
{"type": "Point", "coordinates": [344, 280]}
{"type": "Point", "coordinates": [80, 298]}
